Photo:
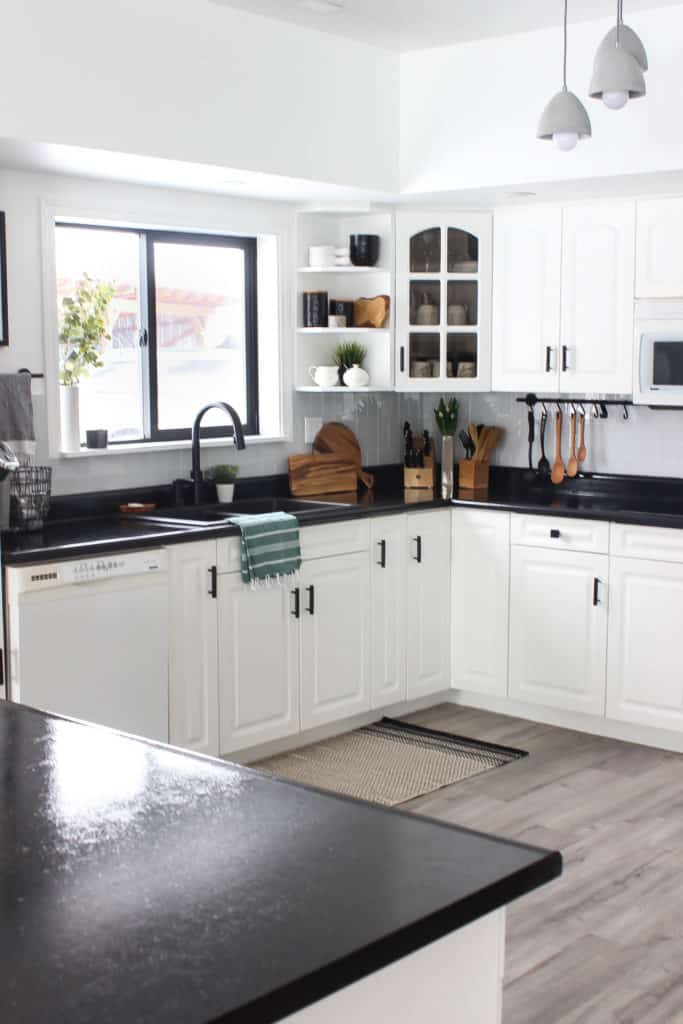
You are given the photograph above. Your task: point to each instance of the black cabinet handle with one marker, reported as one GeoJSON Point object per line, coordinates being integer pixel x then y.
{"type": "Point", "coordinates": [548, 358]}
{"type": "Point", "coordinates": [565, 365]}
{"type": "Point", "coordinates": [143, 338]}
{"type": "Point", "coordinates": [382, 554]}
{"type": "Point", "coordinates": [402, 358]}
{"type": "Point", "coordinates": [213, 573]}
{"type": "Point", "coordinates": [311, 600]}
{"type": "Point", "coordinates": [296, 593]}
{"type": "Point", "coordinates": [418, 556]}
{"type": "Point", "coordinates": [596, 591]}
{"type": "Point", "coordinates": [555, 534]}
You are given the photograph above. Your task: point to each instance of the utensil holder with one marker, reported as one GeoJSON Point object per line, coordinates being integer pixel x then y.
{"type": "Point", "coordinates": [473, 475]}
{"type": "Point", "coordinates": [30, 497]}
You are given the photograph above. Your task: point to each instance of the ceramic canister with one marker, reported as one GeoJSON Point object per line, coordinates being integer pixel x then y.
{"type": "Point", "coordinates": [315, 309]}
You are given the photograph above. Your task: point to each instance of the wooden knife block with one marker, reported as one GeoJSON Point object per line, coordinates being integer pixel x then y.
{"type": "Point", "coordinates": [421, 477]}
{"type": "Point", "coordinates": [473, 476]}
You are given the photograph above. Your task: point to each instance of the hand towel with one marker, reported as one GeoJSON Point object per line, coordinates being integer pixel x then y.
{"type": "Point", "coordinates": [16, 414]}
{"type": "Point", "coordinates": [270, 546]}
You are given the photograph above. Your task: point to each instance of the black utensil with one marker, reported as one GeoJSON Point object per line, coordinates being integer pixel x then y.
{"type": "Point", "coordinates": [532, 437]}
{"type": "Point", "coordinates": [466, 442]}
{"type": "Point", "coordinates": [543, 464]}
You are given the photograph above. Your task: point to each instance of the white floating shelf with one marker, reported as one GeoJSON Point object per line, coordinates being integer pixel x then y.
{"type": "Point", "coordinates": [343, 330]}
{"type": "Point", "coordinates": [339, 390]}
{"type": "Point", "coordinates": [343, 270]}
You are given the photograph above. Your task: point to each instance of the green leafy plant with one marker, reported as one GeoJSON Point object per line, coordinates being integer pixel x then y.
{"type": "Point", "coordinates": [222, 474]}
{"type": "Point", "coordinates": [349, 353]}
{"type": "Point", "coordinates": [446, 416]}
{"type": "Point", "coordinates": [84, 329]}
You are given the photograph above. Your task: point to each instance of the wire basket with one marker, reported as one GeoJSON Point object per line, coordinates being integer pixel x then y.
{"type": "Point", "coordinates": [30, 491]}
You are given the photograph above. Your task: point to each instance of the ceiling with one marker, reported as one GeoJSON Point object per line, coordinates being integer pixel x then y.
{"type": "Point", "coordinates": [405, 25]}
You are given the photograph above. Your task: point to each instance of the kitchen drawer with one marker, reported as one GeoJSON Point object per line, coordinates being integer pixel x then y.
{"type": "Point", "coordinates": [341, 538]}
{"type": "Point", "coordinates": [653, 542]}
{"type": "Point", "coordinates": [560, 533]}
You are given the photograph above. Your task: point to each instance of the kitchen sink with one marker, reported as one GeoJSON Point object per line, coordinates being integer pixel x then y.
{"type": "Point", "coordinates": [212, 515]}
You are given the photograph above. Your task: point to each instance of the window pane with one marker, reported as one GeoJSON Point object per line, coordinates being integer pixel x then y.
{"type": "Point", "coordinates": [201, 333]}
{"type": "Point", "coordinates": [110, 397]}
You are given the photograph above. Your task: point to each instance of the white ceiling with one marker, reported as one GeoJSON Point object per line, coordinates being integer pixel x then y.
{"type": "Point", "coordinates": [418, 24]}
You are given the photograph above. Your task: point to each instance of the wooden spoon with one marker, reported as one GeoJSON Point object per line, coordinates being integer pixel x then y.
{"type": "Point", "coordinates": [557, 474]}
{"type": "Point", "coordinates": [582, 453]}
{"type": "Point", "coordinates": [572, 465]}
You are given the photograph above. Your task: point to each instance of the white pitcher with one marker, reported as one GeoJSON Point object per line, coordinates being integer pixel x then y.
{"type": "Point", "coordinates": [324, 376]}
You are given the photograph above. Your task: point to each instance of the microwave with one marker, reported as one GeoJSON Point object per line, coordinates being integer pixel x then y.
{"type": "Point", "coordinates": [658, 354]}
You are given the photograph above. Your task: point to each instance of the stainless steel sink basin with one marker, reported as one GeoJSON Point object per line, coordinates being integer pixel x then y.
{"type": "Point", "coordinates": [213, 515]}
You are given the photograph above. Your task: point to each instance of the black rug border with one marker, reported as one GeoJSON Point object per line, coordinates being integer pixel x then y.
{"type": "Point", "coordinates": [513, 752]}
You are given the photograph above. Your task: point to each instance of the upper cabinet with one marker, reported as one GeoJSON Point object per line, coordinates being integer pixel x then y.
{"type": "Point", "coordinates": [443, 286]}
{"type": "Point", "coordinates": [659, 250]}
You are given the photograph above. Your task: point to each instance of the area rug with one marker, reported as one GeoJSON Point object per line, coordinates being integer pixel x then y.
{"type": "Point", "coordinates": [388, 762]}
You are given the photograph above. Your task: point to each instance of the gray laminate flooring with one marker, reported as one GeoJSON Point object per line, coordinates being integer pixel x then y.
{"type": "Point", "coordinates": [604, 943]}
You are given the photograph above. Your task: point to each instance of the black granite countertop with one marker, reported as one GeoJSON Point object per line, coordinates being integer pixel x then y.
{"type": "Point", "coordinates": [144, 884]}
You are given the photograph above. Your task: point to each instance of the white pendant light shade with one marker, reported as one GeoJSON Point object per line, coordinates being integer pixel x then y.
{"type": "Point", "coordinates": [629, 41]}
{"type": "Point", "coordinates": [565, 120]}
{"type": "Point", "coordinates": [616, 77]}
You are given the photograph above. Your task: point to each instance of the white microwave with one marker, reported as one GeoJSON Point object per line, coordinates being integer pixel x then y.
{"type": "Point", "coordinates": [658, 354]}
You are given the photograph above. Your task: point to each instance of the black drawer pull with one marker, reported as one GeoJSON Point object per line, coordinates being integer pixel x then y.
{"type": "Point", "coordinates": [554, 534]}
{"type": "Point", "coordinates": [418, 556]}
{"type": "Point", "coordinates": [596, 591]}
{"type": "Point", "coordinates": [382, 554]}
{"type": "Point", "coordinates": [311, 600]}
{"type": "Point", "coordinates": [213, 589]}
{"type": "Point", "coordinates": [297, 602]}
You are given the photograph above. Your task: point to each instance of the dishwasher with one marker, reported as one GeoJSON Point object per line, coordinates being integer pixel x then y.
{"type": "Point", "coordinates": [88, 638]}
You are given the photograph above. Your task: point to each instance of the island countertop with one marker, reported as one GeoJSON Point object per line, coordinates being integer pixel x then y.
{"type": "Point", "coordinates": [145, 884]}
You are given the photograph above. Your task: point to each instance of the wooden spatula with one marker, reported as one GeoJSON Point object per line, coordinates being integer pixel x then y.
{"type": "Point", "coordinates": [338, 439]}
{"type": "Point", "coordinates": [573, 464]}
{"type": "Point", "coordinates": [557, 474]}
{"type": "Point", "coordinates": [582, 453]}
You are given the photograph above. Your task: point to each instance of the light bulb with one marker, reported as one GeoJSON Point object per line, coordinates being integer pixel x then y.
{"type": "Point", "coordinates": [565, 140]}
{"type": "Point", "coordinates": [615, 99]}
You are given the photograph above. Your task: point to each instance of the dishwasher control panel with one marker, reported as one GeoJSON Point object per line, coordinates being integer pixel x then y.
{"type": "Point", "coordinates": [88, 570]}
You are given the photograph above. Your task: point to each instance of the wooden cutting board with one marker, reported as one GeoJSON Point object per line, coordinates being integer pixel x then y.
{"type": "Point", "coordinates": [321, 474]}
{"type": "Point", "coordinates": [338, 439]}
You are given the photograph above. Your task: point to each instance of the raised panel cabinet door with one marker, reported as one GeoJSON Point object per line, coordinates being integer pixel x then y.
{"type": "Point", "coordinates": [335, 638]}
{"type": "Point", "coordinates": [598, 264]}
{"type": "Point", "coordinates": [480, 606]}
{"type": "Point", "coordinates": [387, 610]}
{"type": "Point", "coordinates": [428, 625]}
{"type": "Point", "coordinates": [659, 248]}
{"type": "Point", "coordinates": [644, 665]}
{"type": "Point", "coordinates": [558, 628]}
{"type": "Point", "coordinates": [527, 252]}
{"type": "Point", "coordinates": [258, 657]}
{"type": "Point", "coordinates": [193, 647]}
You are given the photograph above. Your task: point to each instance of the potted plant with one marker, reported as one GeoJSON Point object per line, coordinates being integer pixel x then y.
{"type": "Point", "coordinates": [446, 416]}
{"type": "Point", "coordinates": [224, 478]}
{"type": "Point", "coordinates": [82, 334]}
{"type": "Point", "coordinates": [348, 356]}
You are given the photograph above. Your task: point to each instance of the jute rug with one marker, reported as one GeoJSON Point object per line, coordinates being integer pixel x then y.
{"type": "Point", "coordinates": [388, 762]}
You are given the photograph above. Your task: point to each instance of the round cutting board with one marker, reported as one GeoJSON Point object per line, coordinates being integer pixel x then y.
{"type": "Point", "coordinates": [338, 439]}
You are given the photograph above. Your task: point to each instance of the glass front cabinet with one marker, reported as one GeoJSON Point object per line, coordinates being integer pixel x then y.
{"type": "Point", "coordinates": [443, 301]}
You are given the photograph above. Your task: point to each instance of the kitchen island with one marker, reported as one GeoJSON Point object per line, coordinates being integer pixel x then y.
{"type": "Point", "coordinates": [145, 884]}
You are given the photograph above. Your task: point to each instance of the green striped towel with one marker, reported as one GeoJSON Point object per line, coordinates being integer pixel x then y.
{"type": "Point", "coordinates": [270, 546]}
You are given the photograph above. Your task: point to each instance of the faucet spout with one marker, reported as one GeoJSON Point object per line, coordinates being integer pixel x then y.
{"type": "Point", "coordinates": [196, 439]}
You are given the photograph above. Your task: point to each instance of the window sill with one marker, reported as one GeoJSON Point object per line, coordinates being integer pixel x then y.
{"type": "Point", "coordinates": [146, 447]}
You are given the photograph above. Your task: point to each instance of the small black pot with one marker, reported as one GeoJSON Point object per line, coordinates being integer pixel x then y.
{"type": "Point", "coordinates": [315, 309]}
{"type": "Point", "coordinates": [96, 438]}
{"type": "Point", "coordinates": [364, 250]}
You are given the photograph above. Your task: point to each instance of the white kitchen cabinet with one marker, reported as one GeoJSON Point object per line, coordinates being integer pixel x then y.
{"type": "Point", "coordinates": [443, 301]}
{"type": "Point", "coordinates": [527, 250]}
{"type": "Point", "coordinates": [644, 675]}
{"type": "Point", "coordinates": [428, 600]}
{"type": "Point", "coordinates": [258, 649]}
{"type": "Point", "coordinates": [193, 647]}
{"type": "Point", "coordinates": [598, 265]}
{"type": "Point", "coordinates": [335, 638]}
{"type": "Point", "coordinates": [659, 248]}
{"type": "Point", "coordinates": [388, 610]}
{"type": "Point", "coordinates": [480, 608]}
{"type": "Point", "coordinates": [558, 628]}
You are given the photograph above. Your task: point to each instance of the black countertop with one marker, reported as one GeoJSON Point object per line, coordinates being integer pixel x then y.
{"type": "Point", "coordinates": [648, 501]}
{"type": "Point", "coordinates": [144, 884]}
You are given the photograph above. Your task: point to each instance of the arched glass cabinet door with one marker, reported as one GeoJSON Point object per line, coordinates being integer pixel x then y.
{"type": "Point", "coordinates": [425, 252]}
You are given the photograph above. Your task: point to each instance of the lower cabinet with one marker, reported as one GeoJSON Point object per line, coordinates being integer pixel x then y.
{"type": "Point", "coordinates": [193, 651]}
{"type": "Point", "coordinates": [388, 610]}
{"type": "Point", "coordinates": [644, 675]}
{"type": "Point", "coordinates": [428, 602]}
{"type": "Point", "coordinates": [558, 628]}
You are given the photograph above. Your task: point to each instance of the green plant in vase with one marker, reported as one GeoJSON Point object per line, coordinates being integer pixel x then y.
{"type": "Point", "coordinates": [223, 476]}
{"type": "Point", "coordinates": [446, 416]}
{"type": "Point", "coordinates": [348, 357]}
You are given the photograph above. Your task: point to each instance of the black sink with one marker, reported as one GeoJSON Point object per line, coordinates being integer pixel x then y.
{"type": "Point", "coordinates": [206, 515]}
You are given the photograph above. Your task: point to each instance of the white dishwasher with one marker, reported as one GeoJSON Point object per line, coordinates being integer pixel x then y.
{"type": "Point", "coordinates": [89, 638]}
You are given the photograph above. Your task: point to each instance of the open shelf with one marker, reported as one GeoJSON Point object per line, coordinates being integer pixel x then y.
{"type": "Point", "coordinates": [343, 270]}
{"type": "Point", "coordinates": [343, 330]}
{"type": "Point", "coordinates": [339, 389]}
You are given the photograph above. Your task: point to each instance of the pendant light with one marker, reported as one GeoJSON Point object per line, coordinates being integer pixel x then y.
{"type": "Point", "coordinates": [565, 119]}
{"type": "Point", "coordinates": [619, 65]}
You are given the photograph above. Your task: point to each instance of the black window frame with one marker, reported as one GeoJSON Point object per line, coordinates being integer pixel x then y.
{"type": "Point", "coordinates": [152, 434]}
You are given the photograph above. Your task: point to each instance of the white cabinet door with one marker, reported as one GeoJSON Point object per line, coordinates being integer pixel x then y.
{"type": "Point", "coordinates": [428, 602]}
{"type": "Point", "coordinates": [645, 672]}
{"type": "Point", "coordinates": [193, 649]}
{"type": "Point", "coordinates": [335, 638]}
{"type": "Point", "coordinates": [258, 647]}
{"type": "Point", "coordinates": [659, 249]}
{"type": "Point", "coordinates": [527, 250]}
{"type": "Point", "coordinates": [558, 628]}
{"type": "Point", "coordinates": [596, 337]}
{"type": "Point", "coordinates": [388, 610]}
{"type": "Point", "coordinates": [480, 608]}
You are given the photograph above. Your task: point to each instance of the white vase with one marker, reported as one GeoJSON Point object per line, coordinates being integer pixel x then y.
{"type": "Point", "coordinates": [225, 492]}
{"type": "Point", "coordinates": [356, 377]}
{"type": "Point", "coordinates": [70, 419]}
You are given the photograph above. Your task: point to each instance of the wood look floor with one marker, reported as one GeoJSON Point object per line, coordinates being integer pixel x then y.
{"type": "Point", "coordinates": [604, 943]}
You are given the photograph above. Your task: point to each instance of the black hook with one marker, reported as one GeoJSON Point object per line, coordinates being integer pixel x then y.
{"type": "Point", "coordinates": [625, 411]}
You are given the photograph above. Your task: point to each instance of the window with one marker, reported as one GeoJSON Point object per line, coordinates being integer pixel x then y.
{"type": "Point", "coordinates": [183, 326]}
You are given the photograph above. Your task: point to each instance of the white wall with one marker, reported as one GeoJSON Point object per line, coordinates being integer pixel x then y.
{"type": "Point", "coordinates": [191, 80]}
{"type": "Point", "coordinates": [469, 113]}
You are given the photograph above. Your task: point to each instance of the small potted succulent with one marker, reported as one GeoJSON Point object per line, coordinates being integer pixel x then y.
{"type": "Point", "coordinates": [224, 478]}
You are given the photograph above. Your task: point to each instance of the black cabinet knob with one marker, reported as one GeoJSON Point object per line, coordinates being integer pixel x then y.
{"type": "Point", "coordinates": [554, 534]}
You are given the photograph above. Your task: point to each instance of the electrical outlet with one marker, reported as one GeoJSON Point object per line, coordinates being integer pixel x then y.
{"type": "Point", "coordinates": [312, 424]}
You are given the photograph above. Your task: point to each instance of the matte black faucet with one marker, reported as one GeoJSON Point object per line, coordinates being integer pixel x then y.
{"type": "Point", "coordinates": [196, 429]}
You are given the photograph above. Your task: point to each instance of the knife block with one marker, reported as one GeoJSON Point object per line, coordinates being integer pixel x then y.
{"type": "Point", "coordinates": [421, 477]}
{"type": "Point", "coordinates": [473, 475]}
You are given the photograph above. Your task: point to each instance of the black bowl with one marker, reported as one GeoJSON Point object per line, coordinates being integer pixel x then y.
{"type": "Point", "coordinates": [364, 250]}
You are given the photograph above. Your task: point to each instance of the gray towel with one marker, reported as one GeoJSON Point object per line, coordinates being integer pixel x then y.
{"type": "Point", "coordinates": [16, 414]}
